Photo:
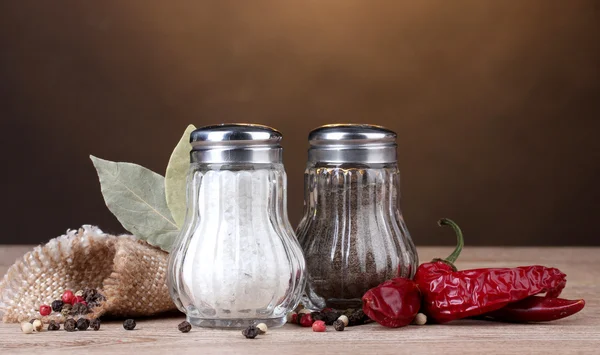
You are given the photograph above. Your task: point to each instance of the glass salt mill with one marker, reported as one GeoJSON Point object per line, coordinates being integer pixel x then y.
{"type": "Point", "coordinates": [237, 260]}
{"type": "Point", "coordinates": [352, 233]}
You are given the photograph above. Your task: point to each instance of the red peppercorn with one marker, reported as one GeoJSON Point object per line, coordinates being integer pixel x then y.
{"type": "Point", "coordinates": [79, 299]}
{"type": "Point", "coordinates": [306, 320]}
{"type": "Point", "coordinates": [319, 326]}
{"type": "Point", "coordinates": [45, 310]}
{"type": "Point", "coordinates": [68, 297]}
{"type": "Point", "coordinates": [294, 318]}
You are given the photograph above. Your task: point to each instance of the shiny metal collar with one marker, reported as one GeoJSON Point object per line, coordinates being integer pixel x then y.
{"type": "Point", "coordinates": [352, 143]}
{"type": "Point", "coordinates": [236, 143]}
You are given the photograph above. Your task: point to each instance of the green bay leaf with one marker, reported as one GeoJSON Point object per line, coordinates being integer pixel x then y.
{"type": "Point", "coordinates": [136, 196]}
{"type": "Point", "coordinates": [176, 177]}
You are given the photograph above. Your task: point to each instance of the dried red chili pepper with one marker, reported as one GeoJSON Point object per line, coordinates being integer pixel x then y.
{"type": "Point", "coordinates": [449, 294]}
{"type": "Point", "coordinates": [536, 309]}
{"type": "Point", "coordinates": [394, 303]}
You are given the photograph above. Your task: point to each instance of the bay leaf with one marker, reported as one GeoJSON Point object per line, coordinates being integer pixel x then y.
{"type": "Point", "coordinates": [176, 177]}
{"type": "Point", "coordinates": [136, 196]}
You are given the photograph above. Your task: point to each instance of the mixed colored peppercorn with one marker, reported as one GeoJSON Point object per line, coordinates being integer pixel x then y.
{"type": "Point", "coordinates": [129, 324]}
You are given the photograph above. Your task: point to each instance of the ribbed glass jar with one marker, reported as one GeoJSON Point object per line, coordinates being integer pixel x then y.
{"type": "Point", "coordinates": [237, 261]}
{"type": "Point", "coordinates": [352, 233]}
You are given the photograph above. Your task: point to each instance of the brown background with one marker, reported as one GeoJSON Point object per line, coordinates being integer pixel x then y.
{"type": "Point", "coordinates": [496, 103]}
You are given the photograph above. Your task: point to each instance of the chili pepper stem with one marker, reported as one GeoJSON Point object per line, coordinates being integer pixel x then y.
{"type": "Point", "coordinates": [459, 239]}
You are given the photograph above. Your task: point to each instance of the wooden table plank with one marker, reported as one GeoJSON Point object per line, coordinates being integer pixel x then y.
{"type": "Point", "coordinates": [577, 334]}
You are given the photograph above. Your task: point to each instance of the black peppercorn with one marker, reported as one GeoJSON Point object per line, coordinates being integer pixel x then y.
{"type": "Point", "coordinates": [66, 310]}
{"type": "Point", "coordinates": [95, 324]}
{"type": "Point", "coordinates": [57, 305]}
{"type": "Point", "coordinates": [184, 327]}
{"type": "Point", "coordinates": [358, 317]}
{"type": "Point", "coordinates": [70, 325]}
{"type": "Point", "coordinates": [83, 323]}
{"type": "Point", "coordinates": [93, 297]}
{"type": "Point", "coordinates": [89, 293]}
{"type": "Point", "coordinates": [330, 316]}
{"type": "Point", "coordinates": [251, 332]}
{"type": "Point", "coordinates": [318, 316]}
{"type": "Point", "coordinates": [79, 308]}
{"type": "Point", "coordinates": [129, 324]}
{"type": "Point", "coordinates": [53, 325]}
{"type": "Point", "coordinates": [338, 325]}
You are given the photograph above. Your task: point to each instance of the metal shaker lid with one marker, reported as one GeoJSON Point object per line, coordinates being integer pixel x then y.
{"type": "Point", "coordinates": [352, 143]}
{"type": "Point", "coordinates": [236, 143]}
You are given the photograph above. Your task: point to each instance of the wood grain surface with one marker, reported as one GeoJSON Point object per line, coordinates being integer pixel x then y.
{"type": "Point", "coordinates": [574, 335]}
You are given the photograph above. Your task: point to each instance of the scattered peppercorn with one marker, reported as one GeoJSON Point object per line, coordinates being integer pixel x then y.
{"type": "Point", "coordinates": [57, 305]}
{"type": "Point", "coordinates": [318, 316]}
{"type": "Point", "coordinates": [45, 310]}
{"type": "Point", "coordinates": [66, 310]}
{"type": "Point", "coordinates": [93, 297]}
{"type": "Point", "coordinates": [251, 332]}
{"type": "Point", "coordinates": [358, 318]}
{"type": "Point", "coordinates": [262, 328]}
{"type": "Point", "coordinates": [319, 326]}
{"type": "Point", "coordinates": [95, 324]}
{"type": "Point", "coordinates": [89, 293]}
{"type": "Point", "coordinates": [339, 325]}
{"type": "Point", "coordinates": [53, 325]}
{"type": "Point", "coordinates": [79, 293]}
{"type": "Point", "coordinates": [290, 317]}
{"type": "Point", "coordinates": [344, 319]}
{"type": "Point", "coordinates": [184, 326]}
{"type": "Point", "coordinates": [306, 320]}
{"type": "Point", "coordinates": [26, 327]}
{"type": "Point", "coordinates": [70, 325]}
{"type": "Point", "coordinates": [129, 324]}
{"type": "Point", "coordinates": [294, 318]}
{"type": "Point", "coordinates": [79, 308]}
{"type": "Point", "coordinates": [68, 297]}
{"type": "Point", "coordinates": [37, 325]}
{"type": "Point", "coordinates": [83, 323]}
{"type": "Point", "coordinates": [78, 299]}
{"type": "Point", "coordinates": [420, 319]}
{"type": "Point", "coordinates": [330, 316]}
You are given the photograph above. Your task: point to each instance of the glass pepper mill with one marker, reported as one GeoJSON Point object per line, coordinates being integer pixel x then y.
{"type": "Point", "coordinates": [237, 260]}
{"type": "Point", "coordinates": [352, 233]}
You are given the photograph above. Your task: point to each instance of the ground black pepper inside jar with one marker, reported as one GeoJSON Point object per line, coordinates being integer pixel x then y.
{"type": "Point", "coordinates": [353, 234]}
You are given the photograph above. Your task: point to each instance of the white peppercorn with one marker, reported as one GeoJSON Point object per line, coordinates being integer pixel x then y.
{"type": "Point", "coordinates": [37, 325]}
{"type": "Point", "coordinates": [344, 319]}
{"type": "Point", "coordinates": [420, 319]}
{"type": "Point", "coordinates": [262, 328]}
{"type": "Point", "coordinates": [27, 327]}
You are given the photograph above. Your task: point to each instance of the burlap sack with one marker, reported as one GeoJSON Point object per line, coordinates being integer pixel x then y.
{"type": "Point", "coordinates": [131, 274]}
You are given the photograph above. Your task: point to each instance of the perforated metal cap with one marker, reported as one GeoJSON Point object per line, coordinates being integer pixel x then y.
{"type": "Point", "coordinates": [352, 143]}
{"type": "Point", "coordinates": [236, 142]}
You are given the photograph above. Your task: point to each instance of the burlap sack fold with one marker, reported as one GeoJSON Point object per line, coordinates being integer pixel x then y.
{"type": "Point", "coordinates": [130, 273]}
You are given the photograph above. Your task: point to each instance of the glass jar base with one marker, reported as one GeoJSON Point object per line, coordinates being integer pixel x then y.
{"type": "Point", "coordinates": [234, 323]}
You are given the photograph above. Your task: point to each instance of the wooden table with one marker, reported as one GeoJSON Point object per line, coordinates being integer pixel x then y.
{"type": "Point", "coordinates": [577, 334]}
